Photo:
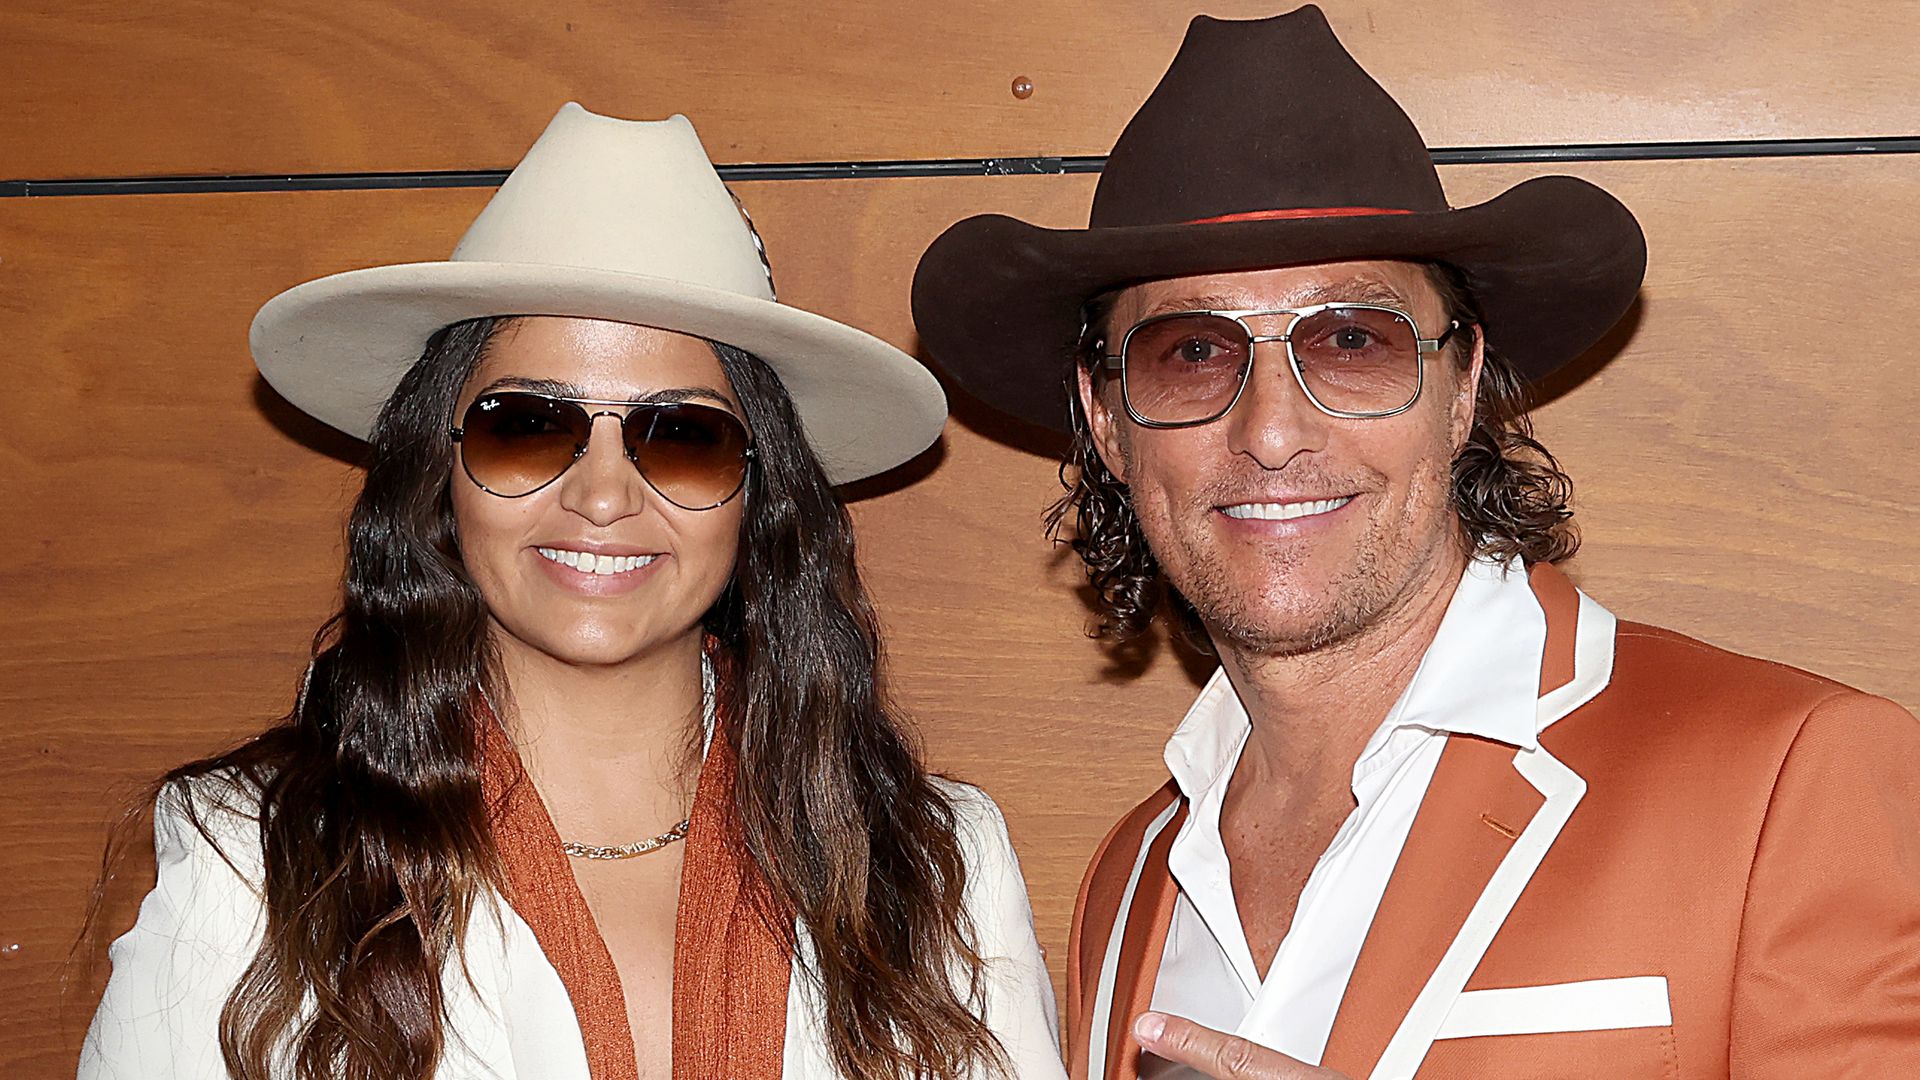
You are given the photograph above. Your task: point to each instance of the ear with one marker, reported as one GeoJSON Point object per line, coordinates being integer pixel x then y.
{"type": "Point", "coordinates": [1469, 391]}
{"type": "Point", "coordinates": [1102, 425]}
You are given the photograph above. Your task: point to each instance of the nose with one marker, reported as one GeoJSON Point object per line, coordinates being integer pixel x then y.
{"type": "Point", "coordinates": [1274, 421]}
{"type": "Point", "coordinates": [603, 486]}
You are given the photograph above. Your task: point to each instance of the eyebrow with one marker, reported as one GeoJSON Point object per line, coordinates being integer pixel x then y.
{"type": "Point", "coordinates": [1190, 303]}
{"type": "Point", "coordinates": [559, 389]}
{"type": "Point", "coordinates": [1355, 290]}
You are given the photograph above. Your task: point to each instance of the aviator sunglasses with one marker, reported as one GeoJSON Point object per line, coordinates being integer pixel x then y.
{"type": "Point", "coordinates": [1353, 360]}
{"type": "Point", "coordinates": [513, 443]}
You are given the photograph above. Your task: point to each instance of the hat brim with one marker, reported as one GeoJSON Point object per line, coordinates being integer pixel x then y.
{"type": "Point", "coordinates": [1554, 262]}
{"type": "Point", "coordinates": [337, 346]}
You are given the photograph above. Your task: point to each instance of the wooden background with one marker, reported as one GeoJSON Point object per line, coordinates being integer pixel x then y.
{"type": "Point", "coordinates": [1743, 445]}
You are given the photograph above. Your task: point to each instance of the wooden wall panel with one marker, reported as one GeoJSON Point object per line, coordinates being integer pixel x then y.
{"type": "Point", "coordinates": [1745, 470]}
{"type": "Point", "coordinates": [176, 87]}
{"type": "Point", "coordinates": [174, 530]}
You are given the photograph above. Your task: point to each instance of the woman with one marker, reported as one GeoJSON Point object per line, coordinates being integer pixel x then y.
{"type": "Point", "coordinates": [591, 776]}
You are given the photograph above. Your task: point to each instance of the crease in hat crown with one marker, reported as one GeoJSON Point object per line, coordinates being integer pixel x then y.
{"type": "Point", "coordinates": [598, 192]}
{"type": "Point", "coordinates": [1254, 158]}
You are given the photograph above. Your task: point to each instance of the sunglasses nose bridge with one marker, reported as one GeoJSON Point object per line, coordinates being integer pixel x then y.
{"type": "Point", "coordinates": [599, 488]}
{"type": "Point", "coordinates": [1283, 317]}
{"type": "Point", "coordinates": [593, 423]}
{"type": "Point", "coordinates": [585, 445]}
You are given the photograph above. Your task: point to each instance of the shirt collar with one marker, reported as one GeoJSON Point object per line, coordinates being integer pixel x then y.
{"type": "Point", "coordinates": [1480, 676]}
{"type": "Point", "coordinates": [1209, 739]}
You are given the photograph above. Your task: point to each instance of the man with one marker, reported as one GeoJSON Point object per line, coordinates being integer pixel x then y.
{"type": "Point", "coordinates": [1438, 814]}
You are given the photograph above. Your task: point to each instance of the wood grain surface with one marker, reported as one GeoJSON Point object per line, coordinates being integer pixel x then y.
{"type": "Point", "coordinates": [200, 87]}
{"type": "Point", "coordinates": [1743, 469]}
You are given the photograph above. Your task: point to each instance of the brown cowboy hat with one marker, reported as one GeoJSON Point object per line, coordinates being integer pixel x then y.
{"type": "Point", "coordinates": [1265, 144]}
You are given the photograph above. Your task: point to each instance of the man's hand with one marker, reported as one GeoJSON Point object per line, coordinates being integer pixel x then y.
{"type": "Point", "coordinates": [1223, 1057]}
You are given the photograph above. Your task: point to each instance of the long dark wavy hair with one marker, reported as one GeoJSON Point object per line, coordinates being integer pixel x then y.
{"type": "Point", "coordinates": [1509, 492]}
{"type": "Point", "coordinates": [375, 833]}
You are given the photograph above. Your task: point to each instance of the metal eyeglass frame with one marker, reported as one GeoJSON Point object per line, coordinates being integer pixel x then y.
{"type": "Point", "coordinates": [1423, 346]}
{"type": "Point", "coordinates": [459, 433]}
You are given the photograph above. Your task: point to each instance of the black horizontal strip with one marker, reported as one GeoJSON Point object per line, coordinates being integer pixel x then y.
{"type": "Point", "coordinates": [1679, 151]}
{"type": "Point", "coordinates": [1006, 166]}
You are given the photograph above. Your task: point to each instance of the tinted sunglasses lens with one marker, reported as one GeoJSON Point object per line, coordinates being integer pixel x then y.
{"type": "Point", "coordinates": [1358, 360]}
{"type": "Point", "coordinates": [695, 456]}
{"type": "Point", "coordinates": [514, 444]}
{"type": "Point", "coordinates": [1184, 368]}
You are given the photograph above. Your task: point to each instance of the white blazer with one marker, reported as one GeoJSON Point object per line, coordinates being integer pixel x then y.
{"type": "Point", "coordinates": [201, 925]}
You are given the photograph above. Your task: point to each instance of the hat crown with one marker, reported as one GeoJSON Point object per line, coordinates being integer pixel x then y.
{"type": "Point", "coordinates": [1268, 114]}
{"type": "Point", "coordinates": [633, 196]}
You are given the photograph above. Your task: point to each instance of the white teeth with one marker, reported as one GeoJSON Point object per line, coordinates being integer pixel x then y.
{"type": "Point", "coordinates": [598, 565]}
{"type": "Point", "coordinates": [1284, 511]}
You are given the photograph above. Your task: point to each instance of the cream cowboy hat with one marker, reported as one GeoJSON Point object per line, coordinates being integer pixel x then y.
{"type": "Point", "coordinates": [607, 219]}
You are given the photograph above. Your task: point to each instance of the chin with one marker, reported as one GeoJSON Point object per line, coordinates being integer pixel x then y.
{"type": "Point", "coordinates": [1283, 609]}
{"type": "Point", "coordinates": [597, 655]}
{"type": "Point", "coordinates": [1282, 629]}
{"type": "Point", "coordinates": [587, 644]}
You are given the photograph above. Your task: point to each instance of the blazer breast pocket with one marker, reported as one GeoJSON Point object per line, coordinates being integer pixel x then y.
{"type": "Point", "coordinates": [1617, 1029]}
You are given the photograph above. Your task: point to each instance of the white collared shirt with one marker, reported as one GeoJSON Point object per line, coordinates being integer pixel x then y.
{"type": "Point", "coordinates": [1480, 676]}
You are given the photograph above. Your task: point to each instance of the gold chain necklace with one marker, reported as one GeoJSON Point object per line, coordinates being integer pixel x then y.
{"type": "Point", "coordinates": [678, 832]}
{"type": "Point", "coordinates": [628, 851]}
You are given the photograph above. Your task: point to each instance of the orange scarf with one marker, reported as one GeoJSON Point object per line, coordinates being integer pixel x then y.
{"type": "Point", "coordinates": [730, 965]}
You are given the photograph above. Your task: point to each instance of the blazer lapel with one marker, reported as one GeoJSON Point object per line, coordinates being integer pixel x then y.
{"type": "Point", "coordinates": [1489, 817]}
{"type": "Point", "coordinates": [1475, 808]}
{"type": "Point", "coordinates": [1142, 941]}
{"type": "Point", "coordinates": [1562, 789]}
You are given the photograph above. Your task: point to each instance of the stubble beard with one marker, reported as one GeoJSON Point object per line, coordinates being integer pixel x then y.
{"type": "Point", "coordinates": [1278, 617]}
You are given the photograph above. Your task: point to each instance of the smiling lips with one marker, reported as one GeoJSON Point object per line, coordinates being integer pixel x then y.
{"type": "Point", "coordinates": [1284, 511]}
{"type": "Point", "coordinates": [599, 565]}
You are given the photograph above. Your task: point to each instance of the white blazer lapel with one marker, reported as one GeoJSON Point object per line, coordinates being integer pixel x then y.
{"type": "Point", "coordinates": [509, 1016]}
{"type": "Point", "coordinates": [1563, 789]}
{"type": "Point", "coordinates": [1106, 989]}
{"type": "Point", "coordinates": [1577, 665]}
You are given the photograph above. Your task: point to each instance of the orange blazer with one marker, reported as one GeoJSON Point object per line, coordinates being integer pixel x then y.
{"type": "Point", "coordinates": [1710, 868]}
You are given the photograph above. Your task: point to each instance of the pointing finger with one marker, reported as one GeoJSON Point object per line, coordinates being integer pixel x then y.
{"type": "Point", "coordinates": [1216, 1054]}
